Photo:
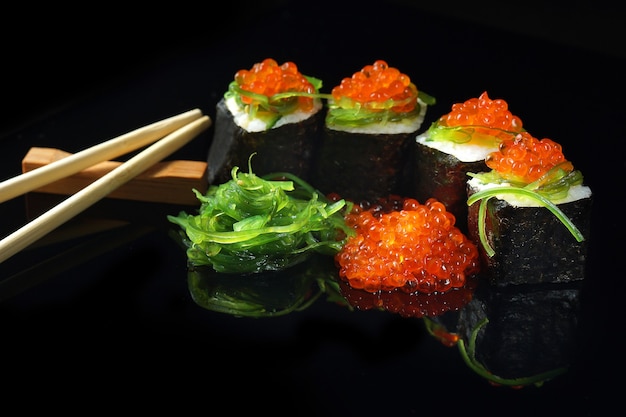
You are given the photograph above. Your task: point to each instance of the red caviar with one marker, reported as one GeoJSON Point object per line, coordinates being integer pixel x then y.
{"type": "Point", "coordinates": [268, 78]}
{"type": "Point", "coordinates": [487, 116]}
{"type": "Point", "coordinates": [377, 87]}
{"type": "Point", "coordinates": [416, 249]}
{"type": "Point", "coordinates": [525, 158]}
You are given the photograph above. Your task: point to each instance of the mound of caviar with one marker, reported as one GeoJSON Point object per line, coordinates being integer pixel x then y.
{"type": "Point", "coordinates": [525, 159]}
{"type": "Point", "coordinates": [259, 86]}
{"type": "Point", "coordinates": [480, 118]}
{"type": "Point", "coordinates": [377, 87]}
{"type": "Point", "coordinates": [416, 249]}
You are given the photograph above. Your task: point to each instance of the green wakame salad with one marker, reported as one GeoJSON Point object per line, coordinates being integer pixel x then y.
{"type": "Point", "coordinates": [253, 224]}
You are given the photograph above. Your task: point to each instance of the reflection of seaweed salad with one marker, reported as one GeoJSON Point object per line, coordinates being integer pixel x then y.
{"type": "Point", "coordinates": [269, 294]}
{"type": "Point", "coordinates": [252, 224]}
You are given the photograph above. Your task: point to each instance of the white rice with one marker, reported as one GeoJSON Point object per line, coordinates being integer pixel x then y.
{"type": "Point", "coordinates": [403, 126]}
{"type": "Point", "coordinates": [244, 121]}
{"type": "Point", "coordinates": [576, 192]}
{"type": "Point", "coordinates": [464, 152]}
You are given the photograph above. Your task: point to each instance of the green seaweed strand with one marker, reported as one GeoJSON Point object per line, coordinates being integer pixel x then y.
{"type": "Point", "coordinates": [469, 356]}
{"type": "Point", "coordinates": [487, 194]}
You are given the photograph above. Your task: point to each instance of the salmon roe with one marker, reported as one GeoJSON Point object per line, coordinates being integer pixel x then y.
{"type": "Point", "coordinates": [268, 78]}
{"type": "Point", "coordinates": [415, 249]}
{"type": "Point", "coordinates": [525, 158]}
{"type": "Point", "coordinates": [377, 87]}
{"type": "Point", "coordinates": [487, 116]}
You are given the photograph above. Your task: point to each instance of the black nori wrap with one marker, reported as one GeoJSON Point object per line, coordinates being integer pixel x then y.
{"type": "Point", "coordinates": [288, 148]}
{"type": "Point", "coordinates": [442, 176]}
{"type": "Point", "coordinates": [531, 244]}
{"type": "Point", "coordinates": [363, 167]}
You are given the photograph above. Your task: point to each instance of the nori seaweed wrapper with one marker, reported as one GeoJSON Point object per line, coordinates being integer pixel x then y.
{"type": "Point", "coordinates": [288, 148]}
{"type": "Point", "coordinates": [531, 244]}
{"type": "Point", "coordinates": [443, 176]}
{"type": "Point", "coordinates": [363, 167]}
{"type": "Point", "coordinates": [527, 331]}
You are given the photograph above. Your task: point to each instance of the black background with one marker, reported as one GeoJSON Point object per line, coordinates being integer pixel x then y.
{"type": "Point", "coordinates": [119, 329]}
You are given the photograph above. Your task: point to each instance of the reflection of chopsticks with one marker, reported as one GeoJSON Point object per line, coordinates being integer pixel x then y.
{"type": "Point", "coordinates": [179, 130]}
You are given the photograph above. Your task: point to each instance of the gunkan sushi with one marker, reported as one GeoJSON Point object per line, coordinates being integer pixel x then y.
{"type": "Point", "coordinates": [272, 110]}
{"type": "Point", "coordinates": [531, 213]}
{"type": "Point", "coordinates": [371, 120]}
{"type": "Point", "coordinates": [457, 143]}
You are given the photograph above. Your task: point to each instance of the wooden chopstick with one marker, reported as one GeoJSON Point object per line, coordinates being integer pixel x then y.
{"type": "Point", "coordinates": [97, 190]}
{"type": "Point", "coordinates": [104, 151]}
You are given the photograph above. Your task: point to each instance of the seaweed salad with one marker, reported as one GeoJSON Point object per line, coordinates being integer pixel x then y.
{"type": "Point", "coordinates": [252, 224]}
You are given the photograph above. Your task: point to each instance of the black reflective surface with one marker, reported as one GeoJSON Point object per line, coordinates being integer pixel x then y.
{"type": "Point", "coordinates": [105, 310]}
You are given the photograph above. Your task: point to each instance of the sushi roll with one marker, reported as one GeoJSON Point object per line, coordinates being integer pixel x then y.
{"type": "Point", "coordinates": [371, 120]}
{"type": "Point", "coordinates": [272, 110]}
{"type": "Point", "coordinates": [457, 143]}
{"type": "Point", "coordinates": [530, 215]}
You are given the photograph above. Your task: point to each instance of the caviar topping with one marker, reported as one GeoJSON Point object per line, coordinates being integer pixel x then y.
{"type": "Point", "coordinates": [530, 168]}
{"type": "Point", "coordinates": [480, 120]}
{"type": "Point", "coordinates": [416, 249]}
{"type": "Point", "coordinates": [269, 91]}
{"type": "Point", "coordinates": [377, 93]}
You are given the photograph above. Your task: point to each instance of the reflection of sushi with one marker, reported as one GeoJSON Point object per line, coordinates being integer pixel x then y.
{"type": "Point", "coordinates": [530, 213]}
{"type": "Point", "coordinates": [518, 336]}
{"type": "Point", "coordinates": [457, 143]}
{"type": "Point", "coordinates": [371, 121]}
{"type": "Point", "coordinates": [272, 110]}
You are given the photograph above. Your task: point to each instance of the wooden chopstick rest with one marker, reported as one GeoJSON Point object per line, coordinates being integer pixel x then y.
{"type": "Point", "coordinates": [168, 182]}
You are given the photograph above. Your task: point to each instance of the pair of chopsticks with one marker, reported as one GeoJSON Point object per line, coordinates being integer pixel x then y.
{"type": "Point", "coordinates": [169, 134]}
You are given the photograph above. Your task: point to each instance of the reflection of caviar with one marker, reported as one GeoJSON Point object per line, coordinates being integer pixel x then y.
{"type": "Point", "coordinates": [268, 78]}
{"type": "Point", "coordinates": [377, 84]}
{"type": "Point", "coordinates": [415, 305]}
{"type": "Point", "coordinates": [417, 248]}
{"type": "Point", "coordinates": [525, 159]}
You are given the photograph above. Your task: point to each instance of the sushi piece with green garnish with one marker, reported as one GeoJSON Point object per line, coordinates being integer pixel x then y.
{"type": "Point", "coordinates": [457, 143]}
{"type": "Point", "coordinates": [272, 110]}
{"type": "Point", "coordinates": [371, 120]}
{"type": "Point", "coordinates": [531, 214]}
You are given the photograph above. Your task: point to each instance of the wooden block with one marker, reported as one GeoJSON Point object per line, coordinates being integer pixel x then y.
{"type": "Point", "coordinates": [165, 182]}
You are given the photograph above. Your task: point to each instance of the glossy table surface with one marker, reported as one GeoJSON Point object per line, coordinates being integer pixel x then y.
{"type": "Point", "coordinates": [106, 315]}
